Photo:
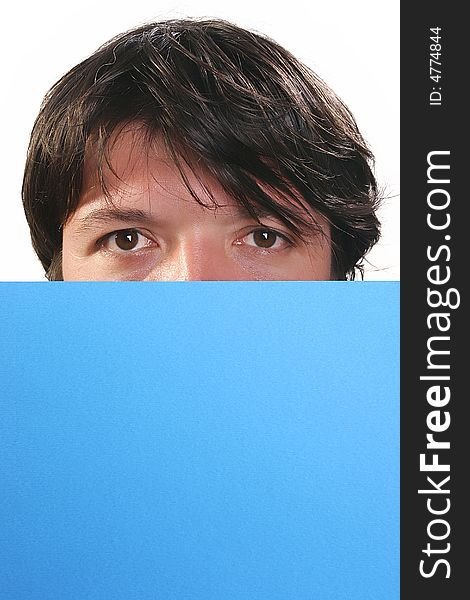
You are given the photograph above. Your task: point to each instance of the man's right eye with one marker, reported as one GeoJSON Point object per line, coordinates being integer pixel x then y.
{"type": "Point", "coordinates": [125, 241]}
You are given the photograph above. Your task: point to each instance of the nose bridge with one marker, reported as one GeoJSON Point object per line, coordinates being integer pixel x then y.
{"type": "Point", "coordinates": [191, 260]}
{"type": "Point", "coordinates": [194, 257]}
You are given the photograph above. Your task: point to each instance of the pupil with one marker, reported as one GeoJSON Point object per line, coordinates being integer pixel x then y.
{"type": "Point", "coordinates": [126, 240]}
{"type": "Point", "coordinates": [264, 238]}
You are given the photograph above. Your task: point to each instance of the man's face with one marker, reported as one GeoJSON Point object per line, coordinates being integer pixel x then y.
{"type": "Point", "coordinates": [154, 230]}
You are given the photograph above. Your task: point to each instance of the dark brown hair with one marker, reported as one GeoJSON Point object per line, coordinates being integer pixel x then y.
{"type": "Point", "coordinates": [255, 116]}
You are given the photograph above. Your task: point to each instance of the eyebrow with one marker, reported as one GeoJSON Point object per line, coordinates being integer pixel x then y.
{"type": "Point", "coordinates": [110, 214]}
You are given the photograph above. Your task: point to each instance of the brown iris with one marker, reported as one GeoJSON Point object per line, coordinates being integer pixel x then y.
{"type": "Point", "coordinates": [264, 238]}
{"type": "Point", "coordinates": [126, 239]}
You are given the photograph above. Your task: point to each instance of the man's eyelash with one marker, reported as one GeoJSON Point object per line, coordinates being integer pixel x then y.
{"type": "Point", "coordinates": [100, 241]}
{"type": "Point", "coordinates": [281, 234]}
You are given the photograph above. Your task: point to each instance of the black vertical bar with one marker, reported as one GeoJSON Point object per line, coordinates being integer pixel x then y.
{"type": "Point", "coordinates": [433, 119]}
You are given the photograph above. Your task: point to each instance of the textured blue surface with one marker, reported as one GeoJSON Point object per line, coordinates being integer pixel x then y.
{"type": "Point", "coordinates": [199, 441]}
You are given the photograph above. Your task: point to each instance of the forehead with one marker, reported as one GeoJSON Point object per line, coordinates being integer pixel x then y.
{"type": "Point", "coordinates": [134, 168]}
{"type": "Point", "coordinates": [129, 159]}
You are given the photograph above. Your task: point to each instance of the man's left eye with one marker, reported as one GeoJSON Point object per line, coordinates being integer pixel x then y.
{"type": "Point", "coordinates": [125, 240]}
{"type": "Point", "coordinates": [266, 238]}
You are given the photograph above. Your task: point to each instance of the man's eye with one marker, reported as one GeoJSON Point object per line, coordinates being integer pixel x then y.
{"type": "Point", "coordinates": [125, 240]}
{"type": "Point", "coordinates": [266, 238]}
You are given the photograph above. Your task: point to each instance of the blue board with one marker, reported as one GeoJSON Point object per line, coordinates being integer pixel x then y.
{"type": "Point", "coordinates": [206, 440]}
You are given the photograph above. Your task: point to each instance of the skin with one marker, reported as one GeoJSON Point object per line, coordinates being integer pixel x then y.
{"type": "Point", "coordinates": [153, 230]}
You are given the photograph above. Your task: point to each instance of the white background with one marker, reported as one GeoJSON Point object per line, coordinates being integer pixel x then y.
{"type": "Point", "coordinates": [352, 45]}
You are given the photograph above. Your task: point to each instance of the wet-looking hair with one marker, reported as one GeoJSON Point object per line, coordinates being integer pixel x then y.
{"type": "Point", "coordinates": [232, 100]}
